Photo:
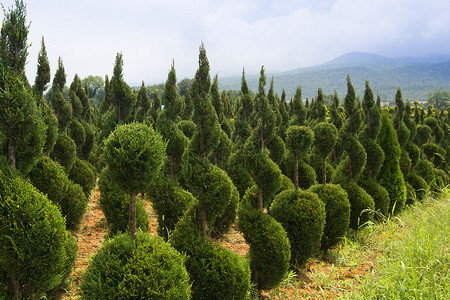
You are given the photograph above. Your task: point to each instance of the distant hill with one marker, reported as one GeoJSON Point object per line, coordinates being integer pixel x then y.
{"type": "Point", "coordinates": [417, 77]}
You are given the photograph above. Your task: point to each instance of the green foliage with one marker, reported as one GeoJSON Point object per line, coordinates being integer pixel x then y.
{"type": "Point", "coordinates": [121, 95]}
{"type": "Point", "coordinates": [299, 140]}
{"type": "Point", "coordinates": [238, 173]}
{"type": "Point", "coordinates": [90, 140]}
{"type": "Point", "coordinates": [302, 215]}
{"type": "Point", "coordinates": [352, 166]}
{"type": "Point", "coordinates": [215, 272]}
{"type": "Point", "coordinates": [380, 196]}
{"type": "Point", "coordinates": [134, 153]}
{"type": "Point", "coordinates": [82, 174]}
{"type": "Point", "coordinates": [170, 202]}
{"type": "Point", "coordinates": [423, 134]}
{"type": "Point", "coordinates": [413, 152]}
{"type": "Point", "coordinates": [269, 247]}
{"type": "Point", "coordinates": [20, 121]}
{"type": "Point", "coordinates": [390, 176]}
{"type": "Point", "coordinates": [439, 99]}
{"type": "Point", "coordinates": [115, 206]}
{"type": "Point", "coordinates": [362, 204]}
{"type": "Point", "coordinates": [419, 184]}
{"type": "Point", "coordinates": [77, 133]}
{"type": "Point", "coordinates": [337, 208]}
{"type": "Point", "coordinates": [187, 127]}
{"type": "Point", "coordinates": [64, 151]}
{"type": "Point", "coordinates": [145, 268]}
{"type": "Point", "coordinates": [424, 169]}
{"type": "Point", "coordinates": [29, 221]}
{"type": "Point", "coordinates": [49, 178]}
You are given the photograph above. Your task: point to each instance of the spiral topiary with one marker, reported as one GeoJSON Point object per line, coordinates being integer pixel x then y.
{"type": "Point", "coordinates": [38, 226]}
{"type": "Point", "coordinates": [64, 151]}
{"type": "Point", "coordinates": [361, 203]}
{"type": "Point", "coordinates": [82, 174]}
{"type": "Point", "coordinates": [145, 268]}
{"type": "Point", "coordinates": [337, 208]}
{"type": "Point", "coordinates": [380, 196]}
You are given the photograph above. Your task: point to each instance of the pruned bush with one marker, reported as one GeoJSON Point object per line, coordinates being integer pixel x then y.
{"type": "Point", "coordinates": [419, 184]}
{"type": "Point", "coordinates": [425, 169]}
{"type": "Point", "coordinates": [82, 174]}
{"type": "Point", "coordinates": [337, 208]}
{"type": "Point", "coordinates": [145, 268]}
{"type": "Point", "coordinates": [170, 203]}
{"type": "Point", "coordinates": [77, 133]}
{"type": "Point", "coordinates": [188, 127]}
{"type": "Point", "coordinates": [50, 178]}
{"type": "Point", "coordinates": [36, 251]}
{"type": "Point", "coordinates": [115, 206]}
{"type": "Point", "coordinates": [302, 215]}
{"type": "Point", "coordinates": [410, 194]}
{"type": "Point", "coordinates": [238, 173]}
{"type": "Point", "coordinates": [362, 205]}
{"type": "Point", "coordinates": [380, 196]}
{"type": "Point", "coordinates": [64, 151]}
{"type": "Point", "coordinates": [215, 272]}
{"type": "Point", "coordinates": [270, 251]}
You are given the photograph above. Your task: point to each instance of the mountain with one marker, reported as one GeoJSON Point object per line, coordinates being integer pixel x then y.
{"type": "Point", "coordinates": [417, 77]}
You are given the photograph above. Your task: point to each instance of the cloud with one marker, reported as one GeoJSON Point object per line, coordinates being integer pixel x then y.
{"type": "Point", "coordinates": [281, 35]}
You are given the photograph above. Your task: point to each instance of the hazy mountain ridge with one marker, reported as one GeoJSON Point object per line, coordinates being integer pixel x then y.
{"type": "Point", "coordinates": [417, 77]}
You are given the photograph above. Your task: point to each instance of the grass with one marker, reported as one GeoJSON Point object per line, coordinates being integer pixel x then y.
{"type": "Point", "coordinates": [413, 254]}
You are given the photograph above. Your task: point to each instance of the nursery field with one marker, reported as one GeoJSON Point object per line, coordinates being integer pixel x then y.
{"type": "Point", "coordinates": [351, 271]}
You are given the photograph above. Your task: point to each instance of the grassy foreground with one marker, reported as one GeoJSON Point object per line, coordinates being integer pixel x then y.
{"type": "Point", "coordinates": [407, 257]}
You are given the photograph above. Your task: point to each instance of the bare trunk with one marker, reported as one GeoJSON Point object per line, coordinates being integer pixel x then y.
{"type": "Point", "coordinates": [132, 215]}
{"type": "Point", "coordinates": [324, 170]}
{"type": "Point", "coordinates": [15, 284]}
{"type": "Point", "coordinates": [11, 153]}
{"type": "Point", "coordinates": [296, 173]}
{"type": "Point", "coordinates": [204, 221]}
{"type": "Point", "coordinates": [260, 200]}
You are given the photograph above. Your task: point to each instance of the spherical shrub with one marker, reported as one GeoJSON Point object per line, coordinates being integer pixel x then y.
{"type": "Point", "coordinates": [380, 196]}
{"type": "Point", "coordinates": [188, 127]}
{"type": "Point", "coordinates": [299, 140]}
{"type": "Point", "coordinates": [423, 134]}
{"type": "Point", "coordinates": [362, 204]}
{"type": "Point", "coordinates": [115, 206]}
{"type": "Point", "coordinates": [215, 272]}
{"type": "Point", "coordinates": [36, 251]}
{"type": "Point", "coordinates": [337, 208]}
{"type": "Point", "coordinates": [418, 183]}
{"type": "Point", "coordinates": [83, 175]}
{"type": "Point", "coordinates": [145, 268]}
{"type": "Point", "coordinates": [269, 248]}
{"type": "Point", "coordinates": [64, 151]}
{"type": "Point", "coordinates": [302, 215]}
{"type": "Point", "coordinates": [170, 203]}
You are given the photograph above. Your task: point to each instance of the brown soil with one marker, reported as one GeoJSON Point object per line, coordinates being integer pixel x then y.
{"type": "Point", "coordinates": [332, 282]}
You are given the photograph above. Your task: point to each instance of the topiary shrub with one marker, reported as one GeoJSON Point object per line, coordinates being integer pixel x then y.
{"type": "Point", "coordinates": [215, 272]}
{"type": "Point", "coordinates": [145, 268]}
{"type": "Point", "coordinates": [36, 251]}
{"type": "Point", "coordinates": [413, 152]}
{"type": "Point", "coordinates": [270, 251]}
{"type": "Point", "coordinates": [302, 215]}
{"type": "Point", "coordinates": [419, 184]}
{"type": "Point", "coordinates": [337, 208]}
{"type": "Point", "coordinates": [362, 204]}
{"type": "Point", "coordinates": [442, 179]}
{"type": "Point", "coordinates": [188, 127]}
{"type": "Point", "coordinates": [425, 169]}
{"type": "Point", "coordinates": [83, 175]}
{"type": "Point", "coordinates": [49, 177]}
{"type": "Point", "coordinates": [64, 151]}
{"type": "Point", "coordinates": [170, 203]}
{"type": "Point", "coordinates": [380, 196]}
{"type": "Point", "coordinates": [223, 223]}
{"type": "Point", "coordinates": [115, 206]}
{"type": "Point", "coordinates": [238, 173]}
{"type": "Point", "coordinates": [410, 194]}
{"type": "Point", "coordinates": [77, 133]}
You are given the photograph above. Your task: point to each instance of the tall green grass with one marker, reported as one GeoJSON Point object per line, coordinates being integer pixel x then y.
{"type": "Point", "coordinates": [414, 254]}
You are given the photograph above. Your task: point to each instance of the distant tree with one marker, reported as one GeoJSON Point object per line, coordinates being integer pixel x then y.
{"type": "Point", "coordinates": [121, 95]}
{"type": "Point", "coordinates": [94, 84]}
{"type": "Point", "coordinates": [439, 99]}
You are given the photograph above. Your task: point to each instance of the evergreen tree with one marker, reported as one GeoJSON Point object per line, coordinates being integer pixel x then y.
{"type": "Point", "coordinates": [121, 94]}
{"type": "Point", "coordinates": [42, 73]}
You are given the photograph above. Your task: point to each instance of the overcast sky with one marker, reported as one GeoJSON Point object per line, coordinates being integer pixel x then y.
{"type": "Point", "coordinates": [281, 35]}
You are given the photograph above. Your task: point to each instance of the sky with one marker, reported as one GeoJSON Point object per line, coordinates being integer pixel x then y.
{"type": "Point", "coordinates": [237, 34]}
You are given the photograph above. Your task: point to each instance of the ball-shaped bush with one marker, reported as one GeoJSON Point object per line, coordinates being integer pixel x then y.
{"type": "Point", "coordinates": [302, 215]}
{"type": "Point", "coordinates": [337, 208]}
{"type": "Point", "coordinates": [325, 137]}
{"type": "Point", "coordinates": [145, 268]}
{"type": "Point", "coordinates": [423, 134]}
{"type": "Point", "coordinates": [299, 140]}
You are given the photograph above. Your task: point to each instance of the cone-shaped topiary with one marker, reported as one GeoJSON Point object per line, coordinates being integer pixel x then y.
{"type": "Point", "coordinates": [390, 176]}
{"type": "Point", "coordinates": [337, 208]}
{"type": "Point", "coordinates": [141, 268]}
{"type": "Point", "coordinates": [36, 251]}
{"type": "Point", "coordinates": [302, 215]}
